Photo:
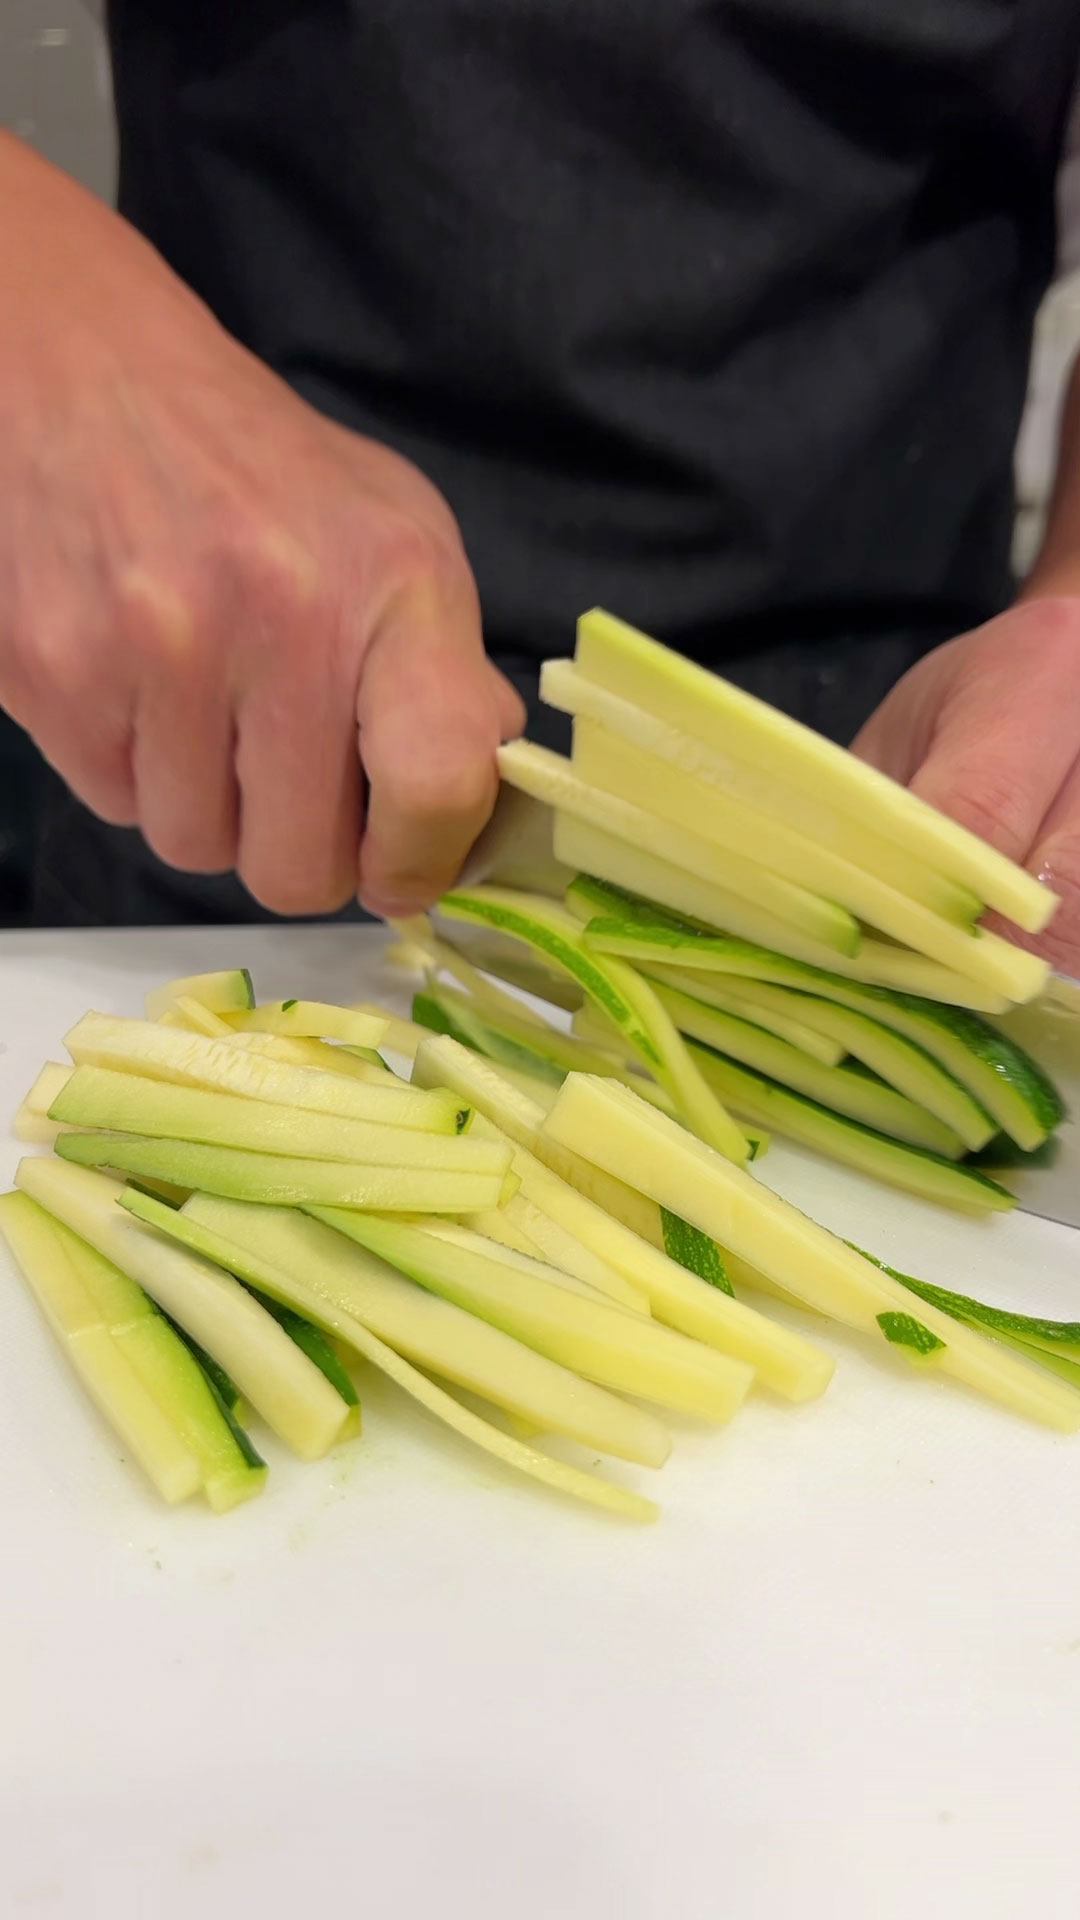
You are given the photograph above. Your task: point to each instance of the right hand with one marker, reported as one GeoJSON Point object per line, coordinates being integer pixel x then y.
{"type": "Point", "coordinates": [223, 618]}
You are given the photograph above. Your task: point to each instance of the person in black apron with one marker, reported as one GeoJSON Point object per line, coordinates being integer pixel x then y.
{"type": "Point", "coordinates": [717, 316]}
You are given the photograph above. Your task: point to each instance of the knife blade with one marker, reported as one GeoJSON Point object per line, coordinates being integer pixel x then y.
{"type": "Point", "coordinates": [1049, 1029]}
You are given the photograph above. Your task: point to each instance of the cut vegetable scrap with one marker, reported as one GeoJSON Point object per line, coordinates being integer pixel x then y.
{"type": "Point", "coordinates": [605, 1119]}
{"type": "Point", "coordinates": [312, 1019]}
{"type": "Point", "coordinates": [131, 1409]}
{"type": "Point", "coordinates": [622, 995]}
{"type": "Point", "coordinates": [191, 1060]}
{"type": "Point", "coordinates": [280, 1382]}
{"type": "Point", "coordinates": [280, 1180]}
{"type": "Point", "coordinates": [686, 696]}
{"type": "Point", "coordinates": [550, 777]}
{"type": "Point", "coordinates": [949, 1182]}
{"type": "Point", "coordinates": [128, 1103]}
{"type": "Point", "coordinates": [593, 1337]}
{"type": "Point", "coordinates": [736, 779]}
{"type": "Point", "coordinates": [323, 1276]}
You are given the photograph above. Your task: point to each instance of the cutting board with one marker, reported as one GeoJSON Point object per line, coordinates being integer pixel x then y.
{"type": "Point", "coordinates": [840, 1677]}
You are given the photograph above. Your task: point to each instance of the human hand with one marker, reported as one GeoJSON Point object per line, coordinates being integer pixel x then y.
{"type": "Point", "coordinates": [223, 618]}
{"type": "Point", "coordinates": [987, 729]}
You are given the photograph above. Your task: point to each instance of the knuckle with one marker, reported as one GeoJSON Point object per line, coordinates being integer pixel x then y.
{"type": "Point", "coordinates": [414, 550]}
{"type": "Point", "coordinates": [1058, 863]}
{"type": "Point", "coordinates": [993, 806]}
{"type": "Point", "coordinates": [1054, 623]}
{"type": "Point", "coordinates": [278, 570]}
{"type": "Point", "coordinates": [426, 793]}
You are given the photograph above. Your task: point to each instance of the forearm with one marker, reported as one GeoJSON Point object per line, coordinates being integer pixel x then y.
{"type": "Point", "coordinates": [1057, 567]}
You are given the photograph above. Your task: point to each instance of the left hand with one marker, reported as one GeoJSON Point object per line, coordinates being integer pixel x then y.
{"type": "Point", "coordinates": [987, 729]}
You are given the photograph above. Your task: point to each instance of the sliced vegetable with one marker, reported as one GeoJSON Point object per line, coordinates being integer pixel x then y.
{"type": "Point", "coordinates": [269, 1369]}
{"type": "Point", "coordinates": [687, 935]}
{"type": "Point", "coordinates": [335, 1283]}
{"type": "Point", "coordinates": [553, 779]}
{"type": "Point", "coordinates": [442, 1062]}
{"type": "Point", "coordinates": [190, 1060]}
{"type": "Point", "coordinates": [740, 780]}
{"type": "Point", "coordinates": [930, 1175]}
{"type": "Point", "coordinates": [128, 1103]}
{"type": "Point", "coordinates": [686, 696]}
{"type": "Point", "coordinates": [695, 1251]}
{"type": "Point", "coordinates": [141, 1422]}
{"type": "Point", "coordinates": [621, 994]}
{"type": "Point", "coordinates": [847, 1090]}
{"type": "Point", "coordinates": [228, 992]}
{"type": "Point", "coordinates": [604, 1118]}
{"type": "Point", "coordinates": [600, 1341]}
{"type": "Point", "coordinates": [312, 1019]}
{"type": "Point", "coordinates": [1004, 1080]}
{"type": "Point", "coordinates": [278, 1180]}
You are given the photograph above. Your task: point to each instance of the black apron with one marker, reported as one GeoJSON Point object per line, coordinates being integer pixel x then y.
{"type": "Point", "coordinates": [717, 314]}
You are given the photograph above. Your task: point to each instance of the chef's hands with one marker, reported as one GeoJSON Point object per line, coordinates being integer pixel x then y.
{"type": "Point", "coordinates": [215, 605]}
{"type": "Point", "coordinates": [987, 728]}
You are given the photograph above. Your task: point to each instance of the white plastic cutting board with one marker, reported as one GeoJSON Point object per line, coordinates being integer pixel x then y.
{"type": "Point", "coordinates": [841, 1677]}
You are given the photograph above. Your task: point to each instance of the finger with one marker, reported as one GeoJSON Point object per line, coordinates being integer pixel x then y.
{"type": "Point", "coordinates": [300, 794]}
{"type": "Point", "coordinates": [85, 733]}
{"type": "Point", "coordinates": [1055, 858]}
{"type": "Point", "coordinates": [430, 719]}
{"type": "Point", "coordinates": [509, 707]}
{"type": "Point", "coordinates": [1002, 744]}
{"type": "Point", "coordinates": [183, 736]}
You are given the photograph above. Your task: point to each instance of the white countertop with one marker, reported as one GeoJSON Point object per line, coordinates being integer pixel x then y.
{"type": "Point", "coordinates": [841, 1677]}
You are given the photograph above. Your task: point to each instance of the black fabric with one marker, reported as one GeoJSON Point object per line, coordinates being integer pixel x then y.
{"type": "Point", "coordinates": [714, 312]}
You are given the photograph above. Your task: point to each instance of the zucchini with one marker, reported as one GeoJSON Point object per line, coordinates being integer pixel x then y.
{"type": "Point", "coordinates": [279, 1180]}
{"type": "Point", "coordinates": [686, 696]}
{"type": "Point", "coordinates": [227, 992]}
{"type": "Point", "coordinates": [552, 778]}
{"type": "Point", "coordinates": [127, 1103]}
{"type": "Point", "coordinates": [228, 1469]}
{"type": "Point", "coordinates": [523, 1297]}
{"type": "Point", "coordinates": [604, 1119]}
{"type": "Point", "coordinates": [858, 1095]}
{"type": "Point", "coordinates": [902, 1062]}
{"type": "Point", "coordinates": [1004, 1081]}
{"type": "Point", "coordinates": [269, 1370]}
{"type": "Point", "coordinates": [713, 910]}
{"type": "Point", "coordinates": [547, 1239]}
{"type": "Point", "coordinates": [43, 1251]}
{"type": "Point", "coordinates": [915, 1169]}
{"type": "Point", "coordinates": [192, 1060]}
{"type": "Point", "coordinates": [695, 1251]}
{"type": "Point", "coordinates": [442, 956]}
{"type": "Point", "coordinates": [716, 990]}
{"type": "Point", "coordinates": [312, 1019]}
{"type": "Point", "coordinates": [621, 994]}
{"type": "Point", "coordinates": [782, 849]}
{"type": "Point", "coordinates": [821, 826]}
{"type": "Point", "coordinates": [1053, 1343]}
{"type": "Point", "coordinates": [332, 1281]}
{"type": "Point", "coordinates": [620, 922]}
{"type": "Point", "coordinates": [593, 1207]}
{"type": "Point", "coordinates": [315, 1053]}
{"type": "Point", "coordinates": [443, 1062]}
{"type": "Point", "coordinates": [196, 1018]}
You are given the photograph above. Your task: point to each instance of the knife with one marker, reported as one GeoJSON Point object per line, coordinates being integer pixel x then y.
{"type": "Point", "coordinates": [515, 850]}
{"type": "Point", "coordinates": [1049, 1029]}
